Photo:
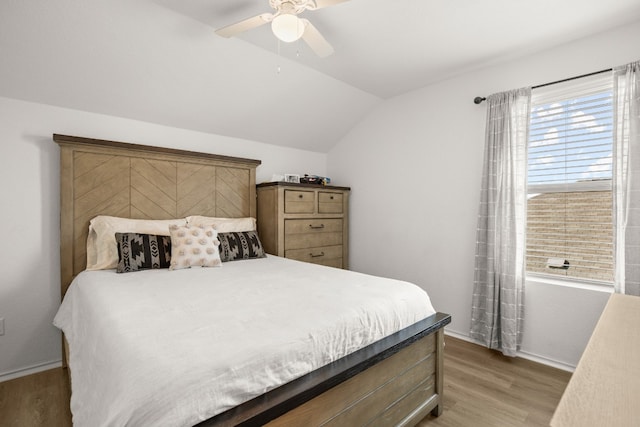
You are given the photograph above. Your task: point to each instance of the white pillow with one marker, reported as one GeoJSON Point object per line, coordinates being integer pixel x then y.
{"type": "Point", "coordinates": [194, 247]}
{"type": "Point", "coordinates": [223, 225]}
{"type": "Point", "coordinates": [102, 249]}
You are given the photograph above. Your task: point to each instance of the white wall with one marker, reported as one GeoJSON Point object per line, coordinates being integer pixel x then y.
{"type": "Point", "coordinates": [29, 169]}
{"type": "Point", "coordinates": [414, 166]}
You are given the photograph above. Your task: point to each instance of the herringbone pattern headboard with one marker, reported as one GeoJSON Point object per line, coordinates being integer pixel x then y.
{"type": "Point", "coordinates": [134, 181]}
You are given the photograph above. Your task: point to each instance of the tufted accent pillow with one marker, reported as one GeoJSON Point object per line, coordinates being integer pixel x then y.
{"type": "Point", "coordinates": [142, 252]}
{"type": "Point", "coordinates": [240, 245]}
{"type": "Point", "coordinates": [194, 247]}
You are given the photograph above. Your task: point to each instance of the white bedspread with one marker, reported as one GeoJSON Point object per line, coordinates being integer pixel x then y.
{"type": "Point", "coordinates": [172, 348]}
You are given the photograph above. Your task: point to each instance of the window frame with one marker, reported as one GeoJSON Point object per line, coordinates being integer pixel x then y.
{"type": "Point", "coordinates": [565, 92]}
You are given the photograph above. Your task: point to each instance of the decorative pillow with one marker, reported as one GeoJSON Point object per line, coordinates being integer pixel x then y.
{"type": "Point", "coordinates": [194, 246]}
{"type": "Point", "coordinates": [102, 249]}
{"type": "Point", "coordinates": [142, 252]}
{"type": "Point", "coordinates": [240, 245]}
{"type": "Point", "coordinates": [223, 225]}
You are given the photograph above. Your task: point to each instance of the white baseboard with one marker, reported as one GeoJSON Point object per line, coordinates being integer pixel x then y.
{"type": "Point", "coordinates": [458, 335]}
{"type": "Point", "coordinates": [545, 361]}
{"type": "Point", "coordinates": [522, 354]}
{"type": "Point", "coordinates": [6, 376]}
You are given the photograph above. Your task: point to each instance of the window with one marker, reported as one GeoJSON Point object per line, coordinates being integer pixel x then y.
{"type": "Point", "coordinates": [569, 207]}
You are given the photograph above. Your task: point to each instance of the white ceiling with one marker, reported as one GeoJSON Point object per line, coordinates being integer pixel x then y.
{"type": "Point", "coordinates": [160, 61]}
{"type": "Point", "coordinates": [387, 47]}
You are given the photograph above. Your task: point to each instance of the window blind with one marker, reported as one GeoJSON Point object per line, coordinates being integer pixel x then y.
{"type": "Point", "coordinates": [569, 211]}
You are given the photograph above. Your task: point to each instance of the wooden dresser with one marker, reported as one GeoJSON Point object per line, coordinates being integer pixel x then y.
{"type": "Point", "coordinates": [305, 222]}
{"type": "Point", "coordinates": [605, 388]}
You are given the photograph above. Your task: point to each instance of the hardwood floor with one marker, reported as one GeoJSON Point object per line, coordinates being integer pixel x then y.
{"type": "Point", "coordinates": [482, 388]}
{"type": "Point", "coordinates": [36, 400]}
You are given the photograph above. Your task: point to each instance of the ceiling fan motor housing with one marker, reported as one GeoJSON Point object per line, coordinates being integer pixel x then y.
{"type": "Point", "coordinates": [293, 7]}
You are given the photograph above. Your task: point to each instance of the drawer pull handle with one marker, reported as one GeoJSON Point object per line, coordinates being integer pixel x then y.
{"type": "Point", "coordinates": [316, 255]}
{"type": "Point", "coordinates": [331, 197]}
{"type": "Point", "coordinates": [300, 196]}
{"type": "Point", "coordinates": [316, 227]}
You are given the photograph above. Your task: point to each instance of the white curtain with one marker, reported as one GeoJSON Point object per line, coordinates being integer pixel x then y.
{"type": "Point", "coordinates": [626, 182]}
{"type": "Point", "coordinates": [497, 311]}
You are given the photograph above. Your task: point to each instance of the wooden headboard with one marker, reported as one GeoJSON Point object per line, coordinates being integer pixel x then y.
{"type": "Point", "coordinates": [100, 177]}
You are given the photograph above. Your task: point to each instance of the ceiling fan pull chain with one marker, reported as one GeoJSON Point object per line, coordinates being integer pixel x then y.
{"type": "Point", "coordinates": [278, 61]}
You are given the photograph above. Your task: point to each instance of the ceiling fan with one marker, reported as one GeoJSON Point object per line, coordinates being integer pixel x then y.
{"type": "Point", "coordinates": [286, 25]}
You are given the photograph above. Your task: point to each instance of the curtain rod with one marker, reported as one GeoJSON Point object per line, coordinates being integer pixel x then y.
{"type": "Point", "coordinates": [479, 99]}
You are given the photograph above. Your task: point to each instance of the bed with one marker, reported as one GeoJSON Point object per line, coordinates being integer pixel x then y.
{"type": "Point", "coordinates": [381, 375]}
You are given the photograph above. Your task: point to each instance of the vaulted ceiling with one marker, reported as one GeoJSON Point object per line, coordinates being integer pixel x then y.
{"type": "Point", "coordinates": [160, 60]}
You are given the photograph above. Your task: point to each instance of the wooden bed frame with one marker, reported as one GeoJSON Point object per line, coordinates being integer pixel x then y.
{"type": "Point", "coordinates": [395, 381]}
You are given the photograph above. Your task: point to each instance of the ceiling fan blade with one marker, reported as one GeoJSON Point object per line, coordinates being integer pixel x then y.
{"type": "Point", "coordinates": [314, 39]}
{"type": "Point", "coordinates": [246, 25]}
{"type": "Point", "coordinates": [326, 3]}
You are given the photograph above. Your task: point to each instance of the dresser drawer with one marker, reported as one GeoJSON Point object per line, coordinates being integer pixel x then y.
{"type": "Point", "coordinates": [296, 201]}
{"type": "Point", "coordinates": [304, 226]}
{"type": "Point", "coordinates": [312, 233]}
{"type": "Point", "coordinates": [330, 202]}
{"type": "Point", "coordinates": [324, 255]}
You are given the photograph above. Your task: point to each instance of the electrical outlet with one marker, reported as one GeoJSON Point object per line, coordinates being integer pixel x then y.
{"type": "Point", "coordinates": [1, 326]}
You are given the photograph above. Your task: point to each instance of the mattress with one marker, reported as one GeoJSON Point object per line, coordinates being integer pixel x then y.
{"type": "Point", "coordinates": [173, 348]}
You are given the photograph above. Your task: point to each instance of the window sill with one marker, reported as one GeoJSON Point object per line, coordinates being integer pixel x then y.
{"type": "Point", "coordinates": [590, 286]}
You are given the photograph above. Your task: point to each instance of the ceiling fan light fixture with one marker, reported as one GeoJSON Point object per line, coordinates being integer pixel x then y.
{"type": "Point", "coordinates": [287, 27]}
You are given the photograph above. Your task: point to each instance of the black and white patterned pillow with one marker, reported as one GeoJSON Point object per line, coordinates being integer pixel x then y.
{"type": "Point", "coordinates": [142, 252]}
{"type": "Point", "coordinates": [240, 245]}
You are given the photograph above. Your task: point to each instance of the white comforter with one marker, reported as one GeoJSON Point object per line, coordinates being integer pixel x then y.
{"type": "Point", "coordinates": [172, 348]}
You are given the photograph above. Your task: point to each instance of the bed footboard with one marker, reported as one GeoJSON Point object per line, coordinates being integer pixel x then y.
{"type": "Point", "coordinates": [395, 381]}
{"type": "Point", "coordinates": [400, 390]}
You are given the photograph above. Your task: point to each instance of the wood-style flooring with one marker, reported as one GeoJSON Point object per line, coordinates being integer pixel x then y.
{"type": "Point", "coordinates": [40, 399]}
{"type": "Point", "coordinates": [482, 388]}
